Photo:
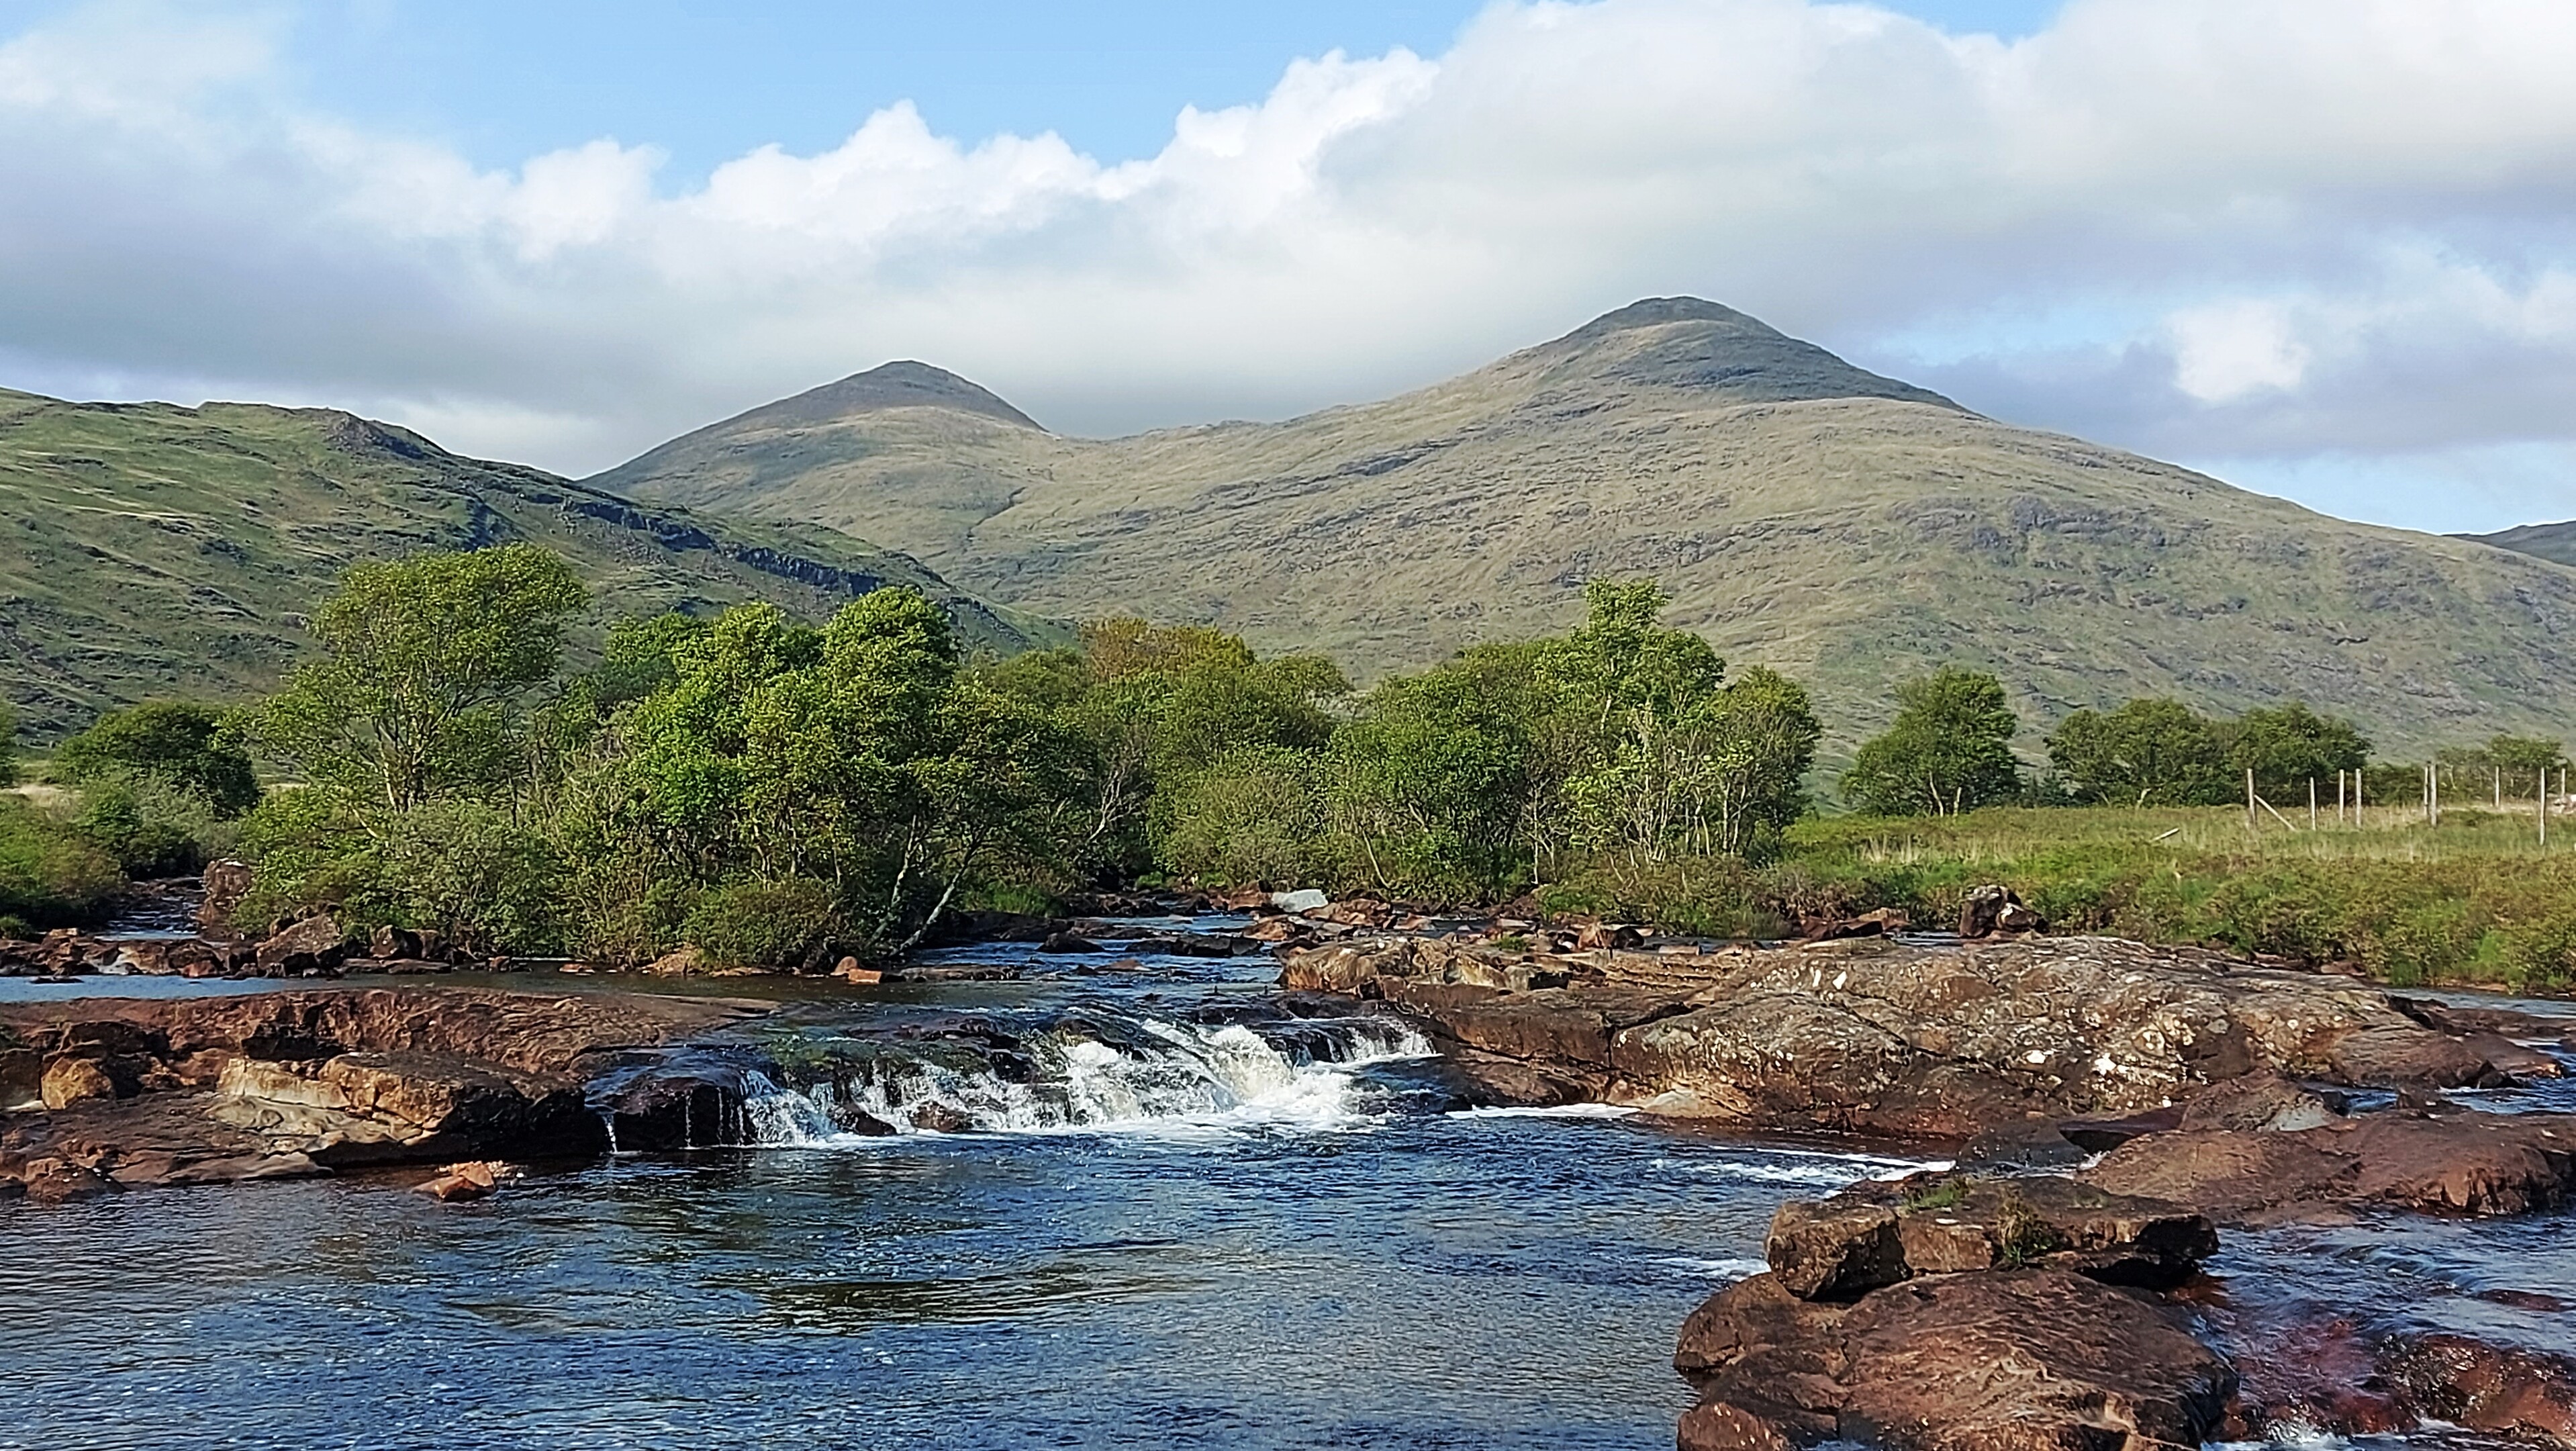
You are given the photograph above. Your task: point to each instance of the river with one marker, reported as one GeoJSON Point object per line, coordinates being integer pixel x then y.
{"type": "Point", "coordinates": [1179, 1220]}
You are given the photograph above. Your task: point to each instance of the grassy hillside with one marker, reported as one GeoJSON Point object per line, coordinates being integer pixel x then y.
{"type": "Point", "coordinates": [153, 550]}
{"type": "Point", "coordinates": [1804, 513]}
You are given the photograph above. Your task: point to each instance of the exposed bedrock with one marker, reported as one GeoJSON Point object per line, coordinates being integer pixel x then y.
{"type": "Point", "coordinates": [108, 1093]}
{"type": "Point", "coordinates": [1903, 1040]}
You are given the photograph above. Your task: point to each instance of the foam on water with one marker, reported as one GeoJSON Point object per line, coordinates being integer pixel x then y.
{"type": "Point", "coordinates": [1562, 1110]}
{"type": "Point", "coordinates": [1176, 1079]}
{"type": "Point", "coordinates": [1804, 1166]}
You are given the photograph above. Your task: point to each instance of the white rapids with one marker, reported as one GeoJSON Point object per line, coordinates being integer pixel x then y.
{"type": "Point", "coordinates": [1173, 1078]}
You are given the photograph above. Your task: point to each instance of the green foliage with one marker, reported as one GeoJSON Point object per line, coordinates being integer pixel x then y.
{"type": "Point", "coordinates": [183, 744]}
{"type": "Point", "coordinates": [1254, 815]}
{"type": "Point", "coordinates": [150, 826]}
{"type": "Point", "coordinates": [2157, 752]}
{"type": "Point", "coordinates": [1949, 750]}
{"type": "Point", "coordinates": [427, 664]}
{"type": "Point", "coordinates": [1431, 781]}
{"type": "Point", "coordinates": [765, 924]}
{"type": "Point", "coordinates": [2291, 745]}
{"type": "Point", "coordinates": [51, 873]}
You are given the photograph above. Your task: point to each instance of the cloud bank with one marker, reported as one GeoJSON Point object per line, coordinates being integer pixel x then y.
{"type": "Point", "coordinates": [2326, 245]}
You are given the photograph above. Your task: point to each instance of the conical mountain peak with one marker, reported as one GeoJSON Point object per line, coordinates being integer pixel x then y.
{"type": "Point", "coordinates": [1692, 345]}
{"type": "Point", "coordinates": [900, 384]}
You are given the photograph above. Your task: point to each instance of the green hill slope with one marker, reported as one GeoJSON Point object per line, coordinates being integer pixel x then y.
{"type": "Point", "coordinates": [1804, 513]}
{"type": "Point", "coordinates": [150, 550]}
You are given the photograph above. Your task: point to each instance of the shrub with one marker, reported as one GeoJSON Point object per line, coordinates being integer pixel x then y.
{"type": "Point", "coordinates": [764, 924]}
{"type": "Point", "coordinates": [173, 742]}
{"type": "Point", "coordinates": [50, 874]}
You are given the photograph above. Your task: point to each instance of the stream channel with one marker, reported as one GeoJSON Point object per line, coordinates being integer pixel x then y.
{"type": "Point", "coordinates": [1179, 1219]}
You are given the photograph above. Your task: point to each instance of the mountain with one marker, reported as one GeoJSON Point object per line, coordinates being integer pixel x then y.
{"type": "Point", "coordinates": [158, 551]}
{"type": "Point", "coordinates": [2553, 542]}
{"type": "Point", "coordinates": [1803, 513]}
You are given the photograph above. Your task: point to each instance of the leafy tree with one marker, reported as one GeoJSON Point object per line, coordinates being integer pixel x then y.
{"type": "Point", "coordinates": [1254, 815]}
{"type": "Point", "coordinates": [2147, 750]}
{"type": "Point", "coordinates": [1949, 750]}
{"type": "Point", "coordinates": [182, 744]}
{"type": "Point", "coordinates": [427, 663]}
{"type": "Point", "coordinates": [1429, 782]}
{"type": "Point", "coordinates": [2288, 746]}
{"type": "Point", "coordinates": [853, 756]}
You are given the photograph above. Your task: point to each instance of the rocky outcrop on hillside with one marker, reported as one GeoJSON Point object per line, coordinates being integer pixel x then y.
{"type": "Point", "coordinates": [109, 1093]}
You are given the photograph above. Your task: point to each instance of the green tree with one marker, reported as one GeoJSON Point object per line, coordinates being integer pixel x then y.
{"type": "Point", "coordinates": [2146, 750]}
{"type": "Point", "coordinates": [1949, 750]}
{"type": "Point", "coordinates": [1430, 779]}
{"type": "Point", "coordinates": [182, 744]}
{"type": "Point", "coordinates": [2288, 746]}
{"type": "Point", "coordinates": [427, 665]}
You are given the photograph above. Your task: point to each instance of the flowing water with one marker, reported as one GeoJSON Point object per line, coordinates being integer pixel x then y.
{"type": "Point", "coordinates": [1164, 1214]}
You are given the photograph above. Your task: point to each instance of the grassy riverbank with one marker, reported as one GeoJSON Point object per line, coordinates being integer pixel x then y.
{"type": "Point", "coordinates": [2473, 900]}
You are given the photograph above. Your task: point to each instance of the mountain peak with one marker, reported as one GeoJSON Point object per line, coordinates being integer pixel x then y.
{"type": "Point", "coordinates": [1692, 345]}
{"type": "Point", "coordinates": [900, 384]}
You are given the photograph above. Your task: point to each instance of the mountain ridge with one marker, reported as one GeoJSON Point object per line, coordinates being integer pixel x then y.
{"type": "Point", "coordinates": [1803, 513]}
{"type": "Point", "coordinates": [161, 550]}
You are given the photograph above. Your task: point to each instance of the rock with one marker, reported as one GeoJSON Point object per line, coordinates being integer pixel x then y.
{"type": "Point", "coordinates": [316, 944]}
{"type": "Point", "coordinates": [68, 1081]}
{"type": "Point", "coordinates": [2017, 1360]}
{"type": "Point", "coordinates": [940, 1118]}
{"type": "Point", "coordinates": [679, 962]}
{"type": "Point", "coordinates": [1836, 1250]}
{"type": "Point", "coordinates": [226, 883]}
{"type": "Point", "coordinates": [1067, 942]}
{"type": "Point", "coordinates": [473, 1179]}
{"type": "Point", "coordinates": [1873, 923]}
{"type": "Point", "coordinates": [2519, 1393]}
{"type": "Point", "coordinates": [1873, 1235]}
{"type": "Point", "coordinates": [1606, 936]}
{"type": "Point", "coordinates": [1897, 1039]}
{"type": "Point", "coordinates": [392, 943]}
{"type": "Point", "coordinates": [2462, 1163]}
{"type": "Point", "coordinates": [1304, 900]}
{"type": "Point", "coordinates": [2231, 1174]}
{"type": "Point", "coordinates": [2259, 1103]}
{"type": "Point", "coordinates": [1991, 909]}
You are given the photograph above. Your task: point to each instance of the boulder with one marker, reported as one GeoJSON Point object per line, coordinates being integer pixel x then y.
{"type": "Point", "coordinates": [679, 962]}
{"type": "Point", "coordinates": [1304, 900]}
{"type": "Point", "coordinates": [68, 1081]}
{"type": "Point", "coordinates": [2519, 1393]}
{"type": "Point", "coordinates": [1873, 1235]}
{"type": "Point", "coordinates": [316, 944]}
{"type": "Point", "coordinates": [2457, 1163]}
{"type": "Point", "coordinates": [1991, 909]}
{"type": "Point", "coordinates": [226, 883]}
{"type": "Point", "coordinates": [2014, 1360]}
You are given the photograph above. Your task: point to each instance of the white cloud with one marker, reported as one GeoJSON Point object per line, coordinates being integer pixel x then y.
{"type": "Point", "coordinates": [2301, 229]}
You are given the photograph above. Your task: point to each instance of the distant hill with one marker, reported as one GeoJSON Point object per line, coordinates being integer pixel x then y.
{"type": "Point", "coordinates": [2553, 542]}
{"type": "Point", "coordinates": [1805, 513]}
{"type": "Point", "coordinates": [154, 550]}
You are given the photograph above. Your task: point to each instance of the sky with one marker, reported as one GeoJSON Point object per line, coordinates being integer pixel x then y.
{"type": "Point", "coordinates": [2321, 248]}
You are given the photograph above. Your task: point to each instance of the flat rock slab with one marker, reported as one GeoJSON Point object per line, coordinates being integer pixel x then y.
{"type": "Point", "coordinates": [2458, 1163]}
{"type": "Point", "coordinates": [1875, 1235]}
{"type": "Point", "coordinates": [2012, 1360]}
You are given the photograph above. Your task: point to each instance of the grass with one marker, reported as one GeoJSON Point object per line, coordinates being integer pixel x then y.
{"type": "Point", "coordinates": [2475, 900]}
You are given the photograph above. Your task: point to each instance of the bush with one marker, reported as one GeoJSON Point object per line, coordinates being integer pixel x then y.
{"type": "Point", "coordinates": [490, 884]}
{"type": "Point", "coordinates": [50, 874]}
{"type": "Point", "coordinates": [152, 827]}
{"type": "Point", "coordinates": [172, 742]}
{"type": "Point", "coordinates": [1253, 816]}
{"type": "Point", "coordinates": [764, 924]}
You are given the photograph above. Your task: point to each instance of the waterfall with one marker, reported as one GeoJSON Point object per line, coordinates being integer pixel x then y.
{"type": "Point", "coordinates": [1162, 1077]}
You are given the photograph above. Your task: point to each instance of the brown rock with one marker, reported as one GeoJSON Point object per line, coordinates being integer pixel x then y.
{"type": "Point", "coordinates": [316, 944]}
{"type": "Point", "coordinates": [679, 962]}
{"type": "Point", "coordinates": [226, 883]}
{"type": "Point", "coordinates": [1873, 1235]}
{"type": "Point", "coordinates": [2484, 1387]}
{"type": "Point", "coordinates": [2031, 1360]}
{"type": "Point", "coordinates": [1835, 1250]}
{"type": "Point", "coordinates": [2228, 1173]}
{"type": "Point", "coordinates": [2469, 1163]}
{"type": "Point", "coordinates": [68, 1081]}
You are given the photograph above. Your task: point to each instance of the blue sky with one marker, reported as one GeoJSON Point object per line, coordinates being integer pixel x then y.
{"type": "Point", "coordinates": [707, 82]}
{"type": "Point", "coordinates": [2322, 248]}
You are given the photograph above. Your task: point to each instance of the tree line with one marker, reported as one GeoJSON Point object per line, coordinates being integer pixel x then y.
{"type": "Point", "coordinates": [774, 792]}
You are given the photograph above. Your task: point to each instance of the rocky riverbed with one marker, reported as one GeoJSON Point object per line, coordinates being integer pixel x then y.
{"type": "Point", "coordinates": [2147, 1142]}
{"type": "Point", "coordinates": [2121, 1105]}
